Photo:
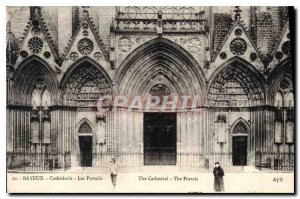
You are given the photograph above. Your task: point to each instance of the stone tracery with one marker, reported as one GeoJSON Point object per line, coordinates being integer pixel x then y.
{"type": "Point", "coordinates": [85, 129]}
{"type": "Point", "coordinates": [178, 73]}
{"type": "Point", "coordinates": [240, 128]}
{"type": "Point", "coordinates": [35, 44]}
{"type": "Point", "coordinates": [85, 46]}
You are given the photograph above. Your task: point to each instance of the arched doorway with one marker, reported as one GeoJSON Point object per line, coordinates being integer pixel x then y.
{"type": "Point", "coordinates": [85, 137]}
{"type": "Point", "coordinates": [239, 144]}
{"type": "Point", "coordinates": [162, 69]}
{"type": "Point", "coordinates": [25, 77]}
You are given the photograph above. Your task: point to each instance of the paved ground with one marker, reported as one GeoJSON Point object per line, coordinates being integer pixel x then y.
{"type": "Point", "coordinates": [150, 182]}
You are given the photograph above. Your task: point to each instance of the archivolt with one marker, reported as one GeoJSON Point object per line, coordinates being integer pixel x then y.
{"type": "Point", "coordinates": [85, 73]}
{"type": "Point", "coordinates": [282, 70]}
{"type": "Point", "coordinates": [240, 126]}
{"type": "Point", "coordinates": [26, 76]}
{"type": "Point", "coordinates": [84, 121]}
{"type": "Point", "coordinates": [237, 71]}
{"type": "Point", "coordinates": [160, 57]}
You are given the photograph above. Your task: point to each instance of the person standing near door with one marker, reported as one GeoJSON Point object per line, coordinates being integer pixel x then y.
{"type": "Point", "coordinates": [218, 174]}
{"type": "Point", "coordinates": [113, 172]}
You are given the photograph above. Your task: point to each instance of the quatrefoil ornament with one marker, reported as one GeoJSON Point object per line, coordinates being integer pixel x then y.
{"type": "Point", "coordinates": [74, 56]}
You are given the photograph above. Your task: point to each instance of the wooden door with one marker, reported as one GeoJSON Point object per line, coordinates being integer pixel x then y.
{"type": "Point", "coordinates": [86, 156]}
{"type": "Point", "coordinates": [160, 139]}
{"type": "Point", "coordinates": [239, 150]}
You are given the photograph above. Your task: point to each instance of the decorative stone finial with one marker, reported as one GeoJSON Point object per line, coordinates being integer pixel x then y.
{"type": "Point", "coordinates": [35, 12]}
{"type": "Point", "coordinates": [112, 25]}
{"type": "Point", "coordinates": [237, 11]}
{"type": "Point", "coordinates": [11, 45]}
{"type": "Point", "coordinates": [8, 27]}
{"type": "Point", "coordinates": [85, 12]}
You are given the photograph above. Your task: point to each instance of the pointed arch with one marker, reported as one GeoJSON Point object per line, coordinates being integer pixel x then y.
{"type": "Point", "coordinates": [240, 125]}
{"type": "Point", "coordinates": [236, 73]}
{"type": "Point", "coordinates": [79, 62]}
{"type": "Point", "coordinates": [82, 122]}
{"type": "Point", "coordinates": [160, 77]}
{"type": "Point", "coordinates": [29, 71]}
{"type": "Point", "coordinates": [85, 129]}
{"type": "Point", "coordinates": [160, 56]}
{"type": "Point", "coordinates": [284, 70]}
{"type": "Point", "coordinates": [85, 72]}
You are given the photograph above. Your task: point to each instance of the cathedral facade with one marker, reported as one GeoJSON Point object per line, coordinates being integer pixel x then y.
{"type": "Point", "coordinates": [235, 60]}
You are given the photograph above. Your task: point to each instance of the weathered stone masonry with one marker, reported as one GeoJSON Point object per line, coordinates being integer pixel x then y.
{"type": "Point", "coordinates": [60, 60]}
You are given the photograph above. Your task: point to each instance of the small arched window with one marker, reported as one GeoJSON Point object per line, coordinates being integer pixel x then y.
{"type": "Point", "coordinates": [85, 128]}
{"type": "Point", "coordinates": [240, 128]}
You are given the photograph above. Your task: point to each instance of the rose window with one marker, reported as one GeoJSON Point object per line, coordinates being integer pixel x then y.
{"type": "Point", "coordinates": [238, 46]}
{"type": "Point", "coordinates": [85, 46]}
{"type": "Point", "coordinates": [35, 44]}
{"type": "Point", "coordinates": [285, 85]}
{"type": "Point", "coordinates": [160, 90]}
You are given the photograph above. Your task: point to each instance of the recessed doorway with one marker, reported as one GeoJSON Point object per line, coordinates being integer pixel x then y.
{"type": "Point", "coordinates": [160, 138]}
{"type": "Point", "coordinates": [85, 136]}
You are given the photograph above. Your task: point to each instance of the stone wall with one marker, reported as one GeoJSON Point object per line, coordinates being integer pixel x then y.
{"type": "Point", "coordinates": [222, 25]}
{"type": "Point", "coordinates": [264, 32]}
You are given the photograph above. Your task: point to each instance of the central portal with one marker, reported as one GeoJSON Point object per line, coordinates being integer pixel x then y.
{"type": "Point", "coordinates": [160, 138]}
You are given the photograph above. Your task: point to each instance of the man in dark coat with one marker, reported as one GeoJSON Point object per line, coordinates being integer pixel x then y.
{"type": "Point", "coordinates": [218, 173]}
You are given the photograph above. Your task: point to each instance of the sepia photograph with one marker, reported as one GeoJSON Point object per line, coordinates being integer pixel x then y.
{"type": "Point", "coordinates": [150, 99]}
